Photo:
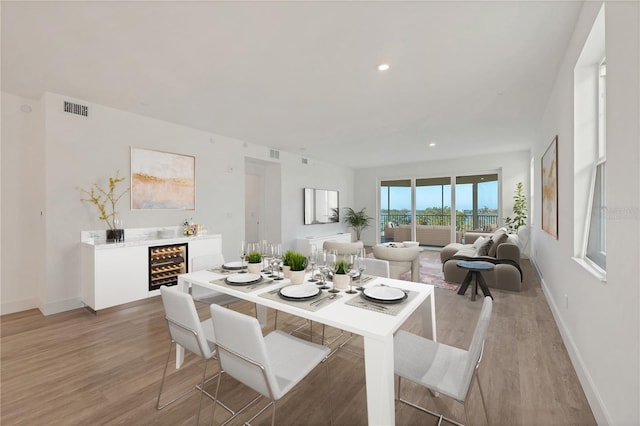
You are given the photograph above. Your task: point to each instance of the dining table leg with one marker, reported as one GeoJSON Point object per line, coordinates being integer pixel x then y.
{"type": "Point", "coordinates": [378, 360]}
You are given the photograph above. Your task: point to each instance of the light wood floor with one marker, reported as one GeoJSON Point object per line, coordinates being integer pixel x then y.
{"type": "Point", "coordinates": [77, 368]}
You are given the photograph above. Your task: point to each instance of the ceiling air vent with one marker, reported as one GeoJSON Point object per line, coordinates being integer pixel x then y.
{"type": "Point", "coordinates": [76, 109]}
{"type": "Point", "coordinates": [305, 161]}
{"type": "Point", "coordinates": [275, 154]}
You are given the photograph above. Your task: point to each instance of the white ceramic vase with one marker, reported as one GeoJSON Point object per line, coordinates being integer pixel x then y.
{"type": "Point", "coordinates": [254, 268]}
{"type": "Point", "coordinates": [297, 277]}
{"type": "Point", "coordinates": [341, 281]}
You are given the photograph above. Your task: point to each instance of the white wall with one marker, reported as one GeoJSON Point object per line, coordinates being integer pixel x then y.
{"type": "Point", "coordinates": [600, 323]}
{"type": "Point", "coordinates": [48, 154]}
{"type": "Point", "coordinates": [513, 168]}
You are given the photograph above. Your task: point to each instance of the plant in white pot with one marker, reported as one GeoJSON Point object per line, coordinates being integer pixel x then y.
{"type": "Point", "coordinates": [298, 265]}
{"type": "Point", "coordinates": [286, 269]}
{"type": "Point", "coordinates": [105, 201]}
{"type": "Point", "coordinates": [254, 262]}
{"type": "Point", "coordinates": [341, 279]}
{"type": "Point", "coordinates": [357, 220]}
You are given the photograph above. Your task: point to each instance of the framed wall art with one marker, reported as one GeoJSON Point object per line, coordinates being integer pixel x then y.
{"type": "Point", "coordinates": [550, 189]}
{"type": "Point", "coordinates": [162, 180]}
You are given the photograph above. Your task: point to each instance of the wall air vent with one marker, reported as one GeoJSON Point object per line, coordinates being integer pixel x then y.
{"type": "Point", "coordinates": [275, 154]}
{"type": "Point", "coordinates": [305, 161]}
{"type": "Point", "coordinates": [76, 109]}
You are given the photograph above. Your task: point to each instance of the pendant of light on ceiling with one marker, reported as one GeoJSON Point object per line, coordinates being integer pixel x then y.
{"type": "Point", "coordinates": [383, 67]}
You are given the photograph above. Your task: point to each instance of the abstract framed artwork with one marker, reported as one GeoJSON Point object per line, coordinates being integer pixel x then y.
{"type": "Point", "coordinates": [550, 189]}
{"type": "Point", "coordinates": [162, 180]}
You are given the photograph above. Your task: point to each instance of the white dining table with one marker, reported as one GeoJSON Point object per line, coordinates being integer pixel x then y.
{"type": "Point", "coordinates": [377, 328]}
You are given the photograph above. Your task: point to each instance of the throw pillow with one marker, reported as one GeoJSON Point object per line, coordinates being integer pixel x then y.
{"type": "Point", "coordinates": [498, 237]}
{"type": "Point", "coordinates": [485, 247]}
{"type": "Point", "coordinates": [478, 243]}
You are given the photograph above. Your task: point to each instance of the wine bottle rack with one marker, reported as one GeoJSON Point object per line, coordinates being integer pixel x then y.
{"type": "Point", "coordinates": [165, 264]}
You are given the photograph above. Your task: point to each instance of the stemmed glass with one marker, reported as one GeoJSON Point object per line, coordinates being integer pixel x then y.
{"type": "Point", "coordinates": [362, 265]}
{"type": "Point", "coordinates": [323, 268]}
{"type": "Point", "coordinates": [332, 263]}
{"type": "Point", "coordinates": [243, 253]}
{"type": "Point", "coordinates": [313, 259]}
{"type": "Point", "coordinates": [349, 263]}
{"type": "Point", "coordinates": [264, 251]}
{"type": "Point", "coordinates": [276, 259]}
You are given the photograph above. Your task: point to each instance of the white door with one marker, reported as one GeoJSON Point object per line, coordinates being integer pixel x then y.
{"type": "Point", "coordinates": [253, 193]}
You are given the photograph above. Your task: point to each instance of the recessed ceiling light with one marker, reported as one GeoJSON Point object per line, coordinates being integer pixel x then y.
{"type": "Point", "coordinates": [383, 67]}
{"type": "Point", "coordinates": [432, 144]}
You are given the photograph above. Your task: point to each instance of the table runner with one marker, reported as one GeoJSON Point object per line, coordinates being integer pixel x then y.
{"type": "Point", "coordinates": [309, 305]}
{"type": "Point", "coordinates": [384, 308]}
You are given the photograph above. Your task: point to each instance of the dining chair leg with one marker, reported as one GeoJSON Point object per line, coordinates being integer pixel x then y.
{"type": "Point", "coordinates": [164, 375]}
{"type": "Point", "coordinates": [329, 393]}
{"type": "Point", "coordinates": [204, 376]}
{"type": "Point", "coordinates": [484, 406]}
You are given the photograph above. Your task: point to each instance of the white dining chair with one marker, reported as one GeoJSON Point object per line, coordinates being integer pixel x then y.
{"type": "Point", "coordinates": [186, 329]}
{"type": "Point", "coordinates": [271, 365]}
{"type": "Point", "coordinates": [441, 368]}
{"type": "Point", "coordinates": [377, 267]}
{"type": "Point", "coordinates": [205, 295]}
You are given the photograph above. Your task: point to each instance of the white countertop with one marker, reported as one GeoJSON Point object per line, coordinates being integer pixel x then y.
{"type": "Point", "coordinates": [142, 237]}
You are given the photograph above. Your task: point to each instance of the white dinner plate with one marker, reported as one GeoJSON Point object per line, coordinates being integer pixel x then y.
{"type": "Point", "coordinates": [300, 291]}
{"type": "Point", "coordinates": [240, 279]}
{"type": "Point", "coordinates": [385, 293]}
{"type": "Point", "coordinates": [233, 265]}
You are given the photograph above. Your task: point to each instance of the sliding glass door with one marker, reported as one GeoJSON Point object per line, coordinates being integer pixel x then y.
{"type": "Point", "coordinates": [425, 209]}
{"type": "Point", "coordinates": [476, 202]}
{"type": "Point", "coordinates": [395, 208]}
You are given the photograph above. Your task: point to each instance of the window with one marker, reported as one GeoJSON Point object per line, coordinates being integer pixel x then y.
{"type": "Point", "coordinates": [589, 152]}
{"type": "Point", "coordinates": [595, 250]}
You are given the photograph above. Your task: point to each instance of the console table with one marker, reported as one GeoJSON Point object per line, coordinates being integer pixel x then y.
{"type": "Point", "coordinates": [114, 273]}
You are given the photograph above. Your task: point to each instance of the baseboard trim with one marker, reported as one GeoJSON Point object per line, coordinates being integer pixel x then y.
{"type": "Point", "coordinates": [61, 306]}
{"type": "Point", "coordinates": [590, 390]}
{"type": "Point", "coordinates": [19, 306]}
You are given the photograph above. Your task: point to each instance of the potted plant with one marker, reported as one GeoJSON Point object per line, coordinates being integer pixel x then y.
{"type": "Point", "coordinates": [341, 279]}
{"type": "Point", "coordinates": [286, 269]}
{"type": "Point", "coordinates": [519, 210]}
{"type": "Point", "coordinates": [298, 266]}
{"type": "Point", "coordinates": [254, 262]}
{"type": "Point", "coordinates": [105, 201]}
{"type": "Point", "coordinates": [358, 220]}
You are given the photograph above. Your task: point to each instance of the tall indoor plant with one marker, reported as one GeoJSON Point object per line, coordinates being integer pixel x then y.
{"type": "Point", "coordinates": [358, 220]}
{"type": "Point", "coordinates": [105, 200]}
{"type": "Point", "coordinates": [519, 218]}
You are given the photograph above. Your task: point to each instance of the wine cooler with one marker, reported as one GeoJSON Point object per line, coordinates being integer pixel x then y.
{"type": "Point", "coordinates": [165, 263]}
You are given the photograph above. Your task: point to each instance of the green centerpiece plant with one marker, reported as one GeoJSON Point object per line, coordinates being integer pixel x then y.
{"type": "Point", "coordinates": [254, 262]}
{"type": "Point", "coordinates": [298, 265]}
{"type": "Point", "coordinates": [297, 261]}
{"type": "Point", "coordinates": [254, 257]}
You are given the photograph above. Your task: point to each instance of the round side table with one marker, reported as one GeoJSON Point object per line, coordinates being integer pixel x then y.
{"type": "Point", "coordinates": [475, 274]}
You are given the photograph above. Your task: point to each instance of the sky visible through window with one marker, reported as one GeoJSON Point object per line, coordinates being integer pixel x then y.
{"type": "Point", "coordinates": [432, 196]}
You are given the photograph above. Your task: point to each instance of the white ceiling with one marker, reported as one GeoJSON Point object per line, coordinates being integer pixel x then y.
{"type": "Point", "coordinates": [473, 77]}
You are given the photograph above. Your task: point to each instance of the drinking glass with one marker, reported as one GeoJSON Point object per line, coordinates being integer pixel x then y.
{"type": "Point", "coordinates": [362, 265]}
{"type": "Point", "coordinates": [332, 260]}
{"type": "Point", "coordinates": [323, 268]}
{"type": "Point", "coordinates": [276, 259]}
{"type": "Point", "coordinates": [313, 259]}
{"type": "Point", "coordinates": [349, 265]}
{"type": "Point", "coordinates": [264, 250]}
{"type": "Point", "coordinates": [243, 253]}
